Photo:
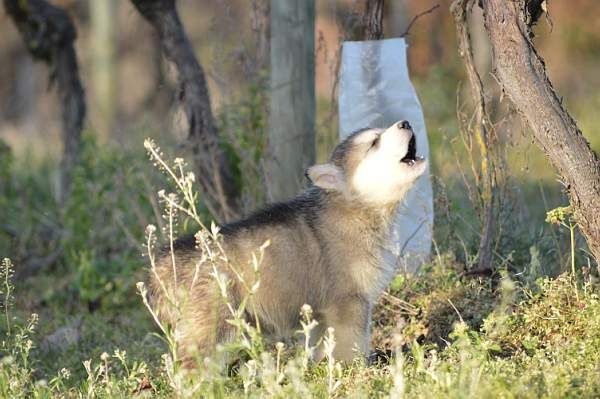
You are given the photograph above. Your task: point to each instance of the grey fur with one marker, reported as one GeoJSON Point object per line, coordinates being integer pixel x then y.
{"type": "Point", "coordinates": [327, 250]}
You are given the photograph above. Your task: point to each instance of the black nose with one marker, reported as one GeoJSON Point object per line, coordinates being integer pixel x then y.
{"type": "Point", "coordinates": [404, 125]}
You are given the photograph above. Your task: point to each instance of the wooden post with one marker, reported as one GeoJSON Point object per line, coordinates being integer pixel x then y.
{"type": "Point", "coordinates": [104, 80]}
{"type": "Point", "coordinates": [292, 103]}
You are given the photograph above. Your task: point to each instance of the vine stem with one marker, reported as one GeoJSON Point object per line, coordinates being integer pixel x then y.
{"type": "Point", "coordinates": [572, 231]}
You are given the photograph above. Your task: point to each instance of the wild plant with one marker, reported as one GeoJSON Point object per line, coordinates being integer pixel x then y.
{"type": "Point", "coordinates": [16, 370]}
{"type": "Point", "coordinates": [264, 366]}
{"type": "Point", "coordinates": [19, 378]}
{"type": "Point", "coordinates": [112, 375]}
{"type": "Point", "coordinates": [563, 216]}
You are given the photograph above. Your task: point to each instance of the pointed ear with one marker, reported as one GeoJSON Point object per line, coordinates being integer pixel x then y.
{"type": "Point", "coordinates": [327, 176]}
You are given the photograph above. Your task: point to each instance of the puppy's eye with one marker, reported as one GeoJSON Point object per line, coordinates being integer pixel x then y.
{"type": "Point", "coordinates": [375, 142]}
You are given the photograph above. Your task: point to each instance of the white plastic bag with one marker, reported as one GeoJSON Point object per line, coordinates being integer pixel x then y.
{"type": "Point", "coordinates": [375, 91]}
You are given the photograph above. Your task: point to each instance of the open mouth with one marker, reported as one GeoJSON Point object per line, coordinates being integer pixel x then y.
{"type": "Point", "coordinates": [411, 155]}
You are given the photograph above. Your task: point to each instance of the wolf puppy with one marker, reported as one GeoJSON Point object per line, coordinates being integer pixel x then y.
{"type": "Point", "coordinates": [327, 250]}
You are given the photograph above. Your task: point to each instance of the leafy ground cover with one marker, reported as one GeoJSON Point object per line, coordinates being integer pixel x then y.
{"type": "Point", "coordinates": [74, 325]}
{"type": "Point", "coordinates": [460, 337]}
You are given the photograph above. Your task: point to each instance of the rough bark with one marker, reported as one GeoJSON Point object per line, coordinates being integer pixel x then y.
{"type": "Point", "coordinates": [481, 133]}
{"type": "Point", "coordinates": [522, 75]}
{"type": "Point", "coordinates": [49, 35]}
{"type": "Point", "coordinates": [212, 168]}
{"type": "Point", "coordinates": [372, 20]}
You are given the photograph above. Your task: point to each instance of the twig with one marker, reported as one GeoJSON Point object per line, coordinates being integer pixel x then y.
{"type": "Point", "coordinates": [400, 303]}
{"type": "Point", "coordinates": [481, 133]}
{"type": "Point", "coordinates": [419, 15]}
{"type": "Point", "coordinates": [456, 310]}
{"type": "Point", "coordinates": [410, 238]}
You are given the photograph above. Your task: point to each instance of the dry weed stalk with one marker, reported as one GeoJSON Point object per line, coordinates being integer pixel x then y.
{"type": "Point", "coordinates": [263, 366]}
{"type": "Point", "coordinates": [478, 132]}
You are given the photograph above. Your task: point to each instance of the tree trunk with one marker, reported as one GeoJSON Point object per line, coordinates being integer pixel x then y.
{"type": "Point", "coordinates": [292, 100]}
{"type": "Point", "coordinates": [522, 75]}
{"type": "Point", "coordinates": [49, 35]}
{"type": "Point", "coordinates": [212, 168]}
{"type": "Point", "coordinates": [372, 20]}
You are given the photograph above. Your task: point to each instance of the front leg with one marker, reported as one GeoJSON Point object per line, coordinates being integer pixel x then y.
{"type": "Point", "coordinates": [351, 318]}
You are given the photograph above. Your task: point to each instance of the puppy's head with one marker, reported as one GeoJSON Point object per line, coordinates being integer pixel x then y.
{"type": "Point", "coordinates": [375, 166]}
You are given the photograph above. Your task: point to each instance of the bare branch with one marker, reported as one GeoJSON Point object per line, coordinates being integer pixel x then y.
{"type": "Point", "coordinates": [416, 17]}
{"type": "Point", "coordinates": [481, 132]}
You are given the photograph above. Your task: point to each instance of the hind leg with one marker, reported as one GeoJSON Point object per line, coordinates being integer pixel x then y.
{"type": "Point", "coordinates": [203, 325]}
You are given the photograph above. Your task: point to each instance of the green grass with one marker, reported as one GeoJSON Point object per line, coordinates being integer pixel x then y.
{"type": "Point", "coordinates": [462, 337]}
{"type": "Point", "coordinates": [531, 330]}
